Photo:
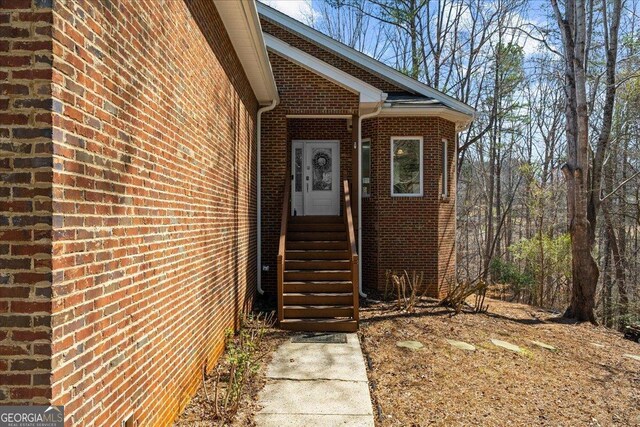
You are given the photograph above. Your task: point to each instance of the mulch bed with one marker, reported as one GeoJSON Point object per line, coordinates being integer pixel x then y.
{"type": "Point", "coordinates": [587, 382]}
{"type": "Point", "coordinates": [200, 411]}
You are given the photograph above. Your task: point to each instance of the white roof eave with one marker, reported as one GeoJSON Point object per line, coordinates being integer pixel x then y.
{"type": "Point", "coordinates": [242, 23]}
{"type": "Point", "coordinates": [461, 120]}
{"type": "Point", "coordinates": [363, 60]}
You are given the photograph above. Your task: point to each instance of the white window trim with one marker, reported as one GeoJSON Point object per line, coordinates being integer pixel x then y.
{"type": "Point", "coordinates": [445, 168]}
{"type": "Point", "coordinates": [366, 196]}
{"type": "Point", "coordinates": [400, 138]}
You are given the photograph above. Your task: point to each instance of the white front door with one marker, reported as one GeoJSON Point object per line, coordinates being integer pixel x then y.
{"type": "Point", "coordinates": [316, 178]}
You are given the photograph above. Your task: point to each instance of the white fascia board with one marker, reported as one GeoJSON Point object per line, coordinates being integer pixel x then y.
{"type": "Point", "coordinates": [461, 120]}
{"type": "Point", "coordinates": [241, 20]}
{"type": "Point", "coordinates": [363, 60]}
{"type": "Point", "coordinates": [368, 94]}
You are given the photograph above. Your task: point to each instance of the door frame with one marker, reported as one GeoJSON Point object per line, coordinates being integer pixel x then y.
{"type": "Point", "coordinates": [297, 205]}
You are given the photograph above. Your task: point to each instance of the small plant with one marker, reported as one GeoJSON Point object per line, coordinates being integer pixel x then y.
{"type": "Point", "coordinates": [457, 297]}
{"type": "Point", "coordinates": [241, 363]}
{"type": "Point", "coordinates": [406, 289]}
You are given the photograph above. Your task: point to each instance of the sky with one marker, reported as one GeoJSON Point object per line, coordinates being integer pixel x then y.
{"type": "Point", "coordinates": [301, 10]}
{"type": "Point", "coordinates": [297, 9]}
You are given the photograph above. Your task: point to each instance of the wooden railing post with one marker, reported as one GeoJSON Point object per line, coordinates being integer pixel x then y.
{"type": "Point", "coordinates": [353, 254]}
{"type": "Point", "coordinates": [282, 245]}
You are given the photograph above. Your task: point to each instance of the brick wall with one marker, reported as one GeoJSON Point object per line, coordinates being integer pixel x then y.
{"type": "Point", "coordinates": [154, 204]}
{"type": "Point", "coordinates": [410, 233]}
{"type": "Point", "coordinates": [369, 256]}
{"type": "Point", "coordinates": [152, 130]}
{"type": "Point", "coordinates": [398, 233]}
{"type": "Point", "coordinates": [304, 92]}
{"type": "Point", "coordinates": [25, 201]}
{"type": "Point", "coordinates": [331, 58]}
{"type": "Point", "coordinates": [301, 92]}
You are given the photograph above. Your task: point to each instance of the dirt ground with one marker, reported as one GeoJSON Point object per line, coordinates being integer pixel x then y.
{"type": "Point", "coordinates": [586, 382]}
{"type": "Point", "coordinates": [200, 410]}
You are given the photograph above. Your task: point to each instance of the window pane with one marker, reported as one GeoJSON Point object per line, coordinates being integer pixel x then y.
{"type": "Point", "coordinates": [445, 169]}
{"type": "Point", "coordinates": [406, 166]}
{"type": "Point", "coordinates": [366, 168]}
{"type": "Point", "coordinates": [298, 170]}
{"type": "Point", "coordinates": [321, 169]}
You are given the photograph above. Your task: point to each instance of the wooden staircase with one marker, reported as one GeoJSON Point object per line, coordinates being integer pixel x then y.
{"type": "Point", "coordinates": [318, 272]}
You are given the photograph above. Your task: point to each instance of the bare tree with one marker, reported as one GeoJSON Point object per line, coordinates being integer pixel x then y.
{"type": "Point", "coordinates": [583, 177]}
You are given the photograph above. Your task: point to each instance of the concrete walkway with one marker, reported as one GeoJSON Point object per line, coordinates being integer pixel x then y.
{"type": "Point", "coordinates": [313, 384]}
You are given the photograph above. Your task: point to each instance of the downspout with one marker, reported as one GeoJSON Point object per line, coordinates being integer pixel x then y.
{"type": "Point", "coordinates": [259, 189]}
{"type": "Point", "coordinates": [360, 118]}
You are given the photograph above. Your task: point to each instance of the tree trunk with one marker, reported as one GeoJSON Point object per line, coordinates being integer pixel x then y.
{"type": "Point", "coordinates": [584, 268]}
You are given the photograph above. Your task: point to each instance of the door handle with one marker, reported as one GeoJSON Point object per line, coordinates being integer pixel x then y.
{"type": "Point", "coordinates": [307, 187]}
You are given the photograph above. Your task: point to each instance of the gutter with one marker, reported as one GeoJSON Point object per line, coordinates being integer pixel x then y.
{"type": "Point", "coordinates": [360, 118]}
{"type": "Point", "coordinates": [259, 189]}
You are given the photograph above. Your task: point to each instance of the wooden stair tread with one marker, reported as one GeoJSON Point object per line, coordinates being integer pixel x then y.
{"type": "Point", "coordinates": [316, 245]}
{"type": "Point", "coordinates": [317, 265]}
{"type": "Point", "coordinates": [318, 286]}
{"type": "Point", "coordinates": [318, 294]}
{"type": "Point", "coordinates": [316, 275]}
{"type": "Point", "coordinates": [317, 311]}
{"type": "Point", "coordinates": [319, 306]}
{"type": "Point", "coordinates": [318, 219]}
{"type": "Point", "coordinates": [317, 282]}
{"type": "Point", "coordinates": [329, 254]}
{"type": "Point", "coordinates": [316, 227]}
{"type": "Point", "coordinates": [317, 236]}
{"type": "Point", "coordinates": [296, 275]}
{"type": "Point", "coordinates": [315, 299]}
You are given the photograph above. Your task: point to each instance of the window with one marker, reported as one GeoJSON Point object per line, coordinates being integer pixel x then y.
{"type": "Point", "coordinates": [445, 169]}
{"type": "Point", "coordinates": [406, 166]}
{"type": "Point", "coordinates": [366, 167]}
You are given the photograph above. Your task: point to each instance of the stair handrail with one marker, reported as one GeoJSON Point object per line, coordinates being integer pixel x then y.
{"type": "Point", "coordinates": [282, 245]}
{"type": "Point", "coordinates": [353, 252]}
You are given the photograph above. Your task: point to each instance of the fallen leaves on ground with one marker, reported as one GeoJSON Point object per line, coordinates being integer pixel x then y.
{"type": "Point", "coordinates": [578, 384]}
{"type": "Point", "coordinates": [200, 411]}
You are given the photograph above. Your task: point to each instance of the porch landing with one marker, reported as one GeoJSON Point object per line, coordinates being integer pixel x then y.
{"type": "Point", "coordinates": [310, 384]}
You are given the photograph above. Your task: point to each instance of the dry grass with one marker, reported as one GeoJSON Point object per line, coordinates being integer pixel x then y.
{"type": "Point", "coordinates": [579, 385]}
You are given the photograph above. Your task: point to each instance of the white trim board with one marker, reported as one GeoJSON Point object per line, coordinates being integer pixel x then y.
{"type": "Point", "coordinates": [368, 94]}
{"type": "Point", "coordinates": [461, 120]}
{"type": "Point", "coordinates": [241, 20]}
{"type": "Point", "coordinates": [363, 60]}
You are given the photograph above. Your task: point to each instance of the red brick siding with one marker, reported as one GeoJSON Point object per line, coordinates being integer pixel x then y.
{"type": "Point", "coordinates": [369, 256]}
{"type": "Point", "coordinates": [25, 201]}
{"type": "Point", "coordinates": [301, 92]}
{"type": "Point", "coordinates": [409, 233]}
{"type": "Point", "coordinates": [447, 214]}
{"type": "Point", "coordinates": [398, 233]}
{"type": "Point", "coordinates": [304, 92]}
{"type": "Point", "coordinates": [329, 57]}
{"type": "Point", "coordinates": [276, 158]}
{"type": "Point", "coordinates": [154, 204]}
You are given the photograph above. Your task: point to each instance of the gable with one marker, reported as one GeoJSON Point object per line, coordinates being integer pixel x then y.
{"type": "Point", "coordinates": [305, 45]}
{"type": "Point", "coordinates": [362, 66]}
{"type": "Point", "coordinates": [305, 92]}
